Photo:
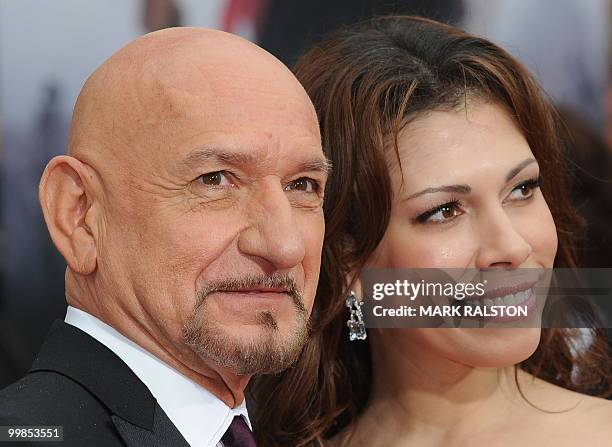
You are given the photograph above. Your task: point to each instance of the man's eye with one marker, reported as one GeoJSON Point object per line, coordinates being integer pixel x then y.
{"type": "Point", "coordinates": [217, 178]}
{"type": "Point", "coordinates": [303, 184]}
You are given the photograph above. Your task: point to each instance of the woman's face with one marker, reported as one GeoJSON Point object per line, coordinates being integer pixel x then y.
{"type": "Point", "coordinates": [469, 199]}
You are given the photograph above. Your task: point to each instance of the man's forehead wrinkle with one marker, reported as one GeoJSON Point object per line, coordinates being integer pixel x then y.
{"type": "Point", "coordinates": [207, 154]}
{"type": "Point", "coordinates": [254, 160]}
{"type": "Point", "coordinates": [145, 95]}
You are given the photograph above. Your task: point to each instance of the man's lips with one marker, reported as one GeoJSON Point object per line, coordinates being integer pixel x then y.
{"type": "Point", "coordinates": [256, 290]}
{"type": "Point", "coordinates": [263, 294]}
{"type": "Point", "coordinates": [253, 300]}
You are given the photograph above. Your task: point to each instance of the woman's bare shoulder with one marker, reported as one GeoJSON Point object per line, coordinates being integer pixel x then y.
{"type": "Point", "coordinates": [598, 410]}
{"type": "Point", "coordinates": [591, 411]}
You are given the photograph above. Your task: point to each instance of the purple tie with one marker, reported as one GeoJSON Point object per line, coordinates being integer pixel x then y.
{"type": "Point", "coordinates": [238, 434]}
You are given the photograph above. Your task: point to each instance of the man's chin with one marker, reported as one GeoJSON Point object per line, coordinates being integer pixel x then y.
{"type": "Point", "coordinates": [263, 347]}
{"type": "Point", "coordinates": [266, 327]}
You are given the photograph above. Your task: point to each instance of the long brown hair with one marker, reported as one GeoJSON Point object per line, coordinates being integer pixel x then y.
{"type": "Point", "coordinates": [366, 83]}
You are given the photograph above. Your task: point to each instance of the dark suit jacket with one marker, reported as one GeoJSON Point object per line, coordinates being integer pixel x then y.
{"type": "Point", "coordinates": [78, 383]}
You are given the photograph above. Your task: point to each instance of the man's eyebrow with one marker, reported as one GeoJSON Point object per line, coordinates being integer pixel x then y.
{"type": "Point", "coordinates": [466, 189]}
{"type": "Point", "coordinates": [208, 155]}
{"type": "Point", "coordinates": [318, 165]}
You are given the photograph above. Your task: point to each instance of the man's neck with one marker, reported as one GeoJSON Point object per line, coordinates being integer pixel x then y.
{"type": "Point", "coordinates": [226, 385]}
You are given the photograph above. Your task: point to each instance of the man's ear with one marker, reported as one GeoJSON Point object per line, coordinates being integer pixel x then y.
{"type": "Point", "coordinates": [65, 203]}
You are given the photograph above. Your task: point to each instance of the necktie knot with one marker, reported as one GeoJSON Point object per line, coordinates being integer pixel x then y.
{"type": "Point", "coordinates": [238, 434]}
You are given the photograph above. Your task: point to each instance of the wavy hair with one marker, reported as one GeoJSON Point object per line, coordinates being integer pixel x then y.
{"type": "Point", "coordinates": [366, 83]}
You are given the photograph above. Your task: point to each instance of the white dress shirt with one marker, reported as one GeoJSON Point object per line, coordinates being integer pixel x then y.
{"type": "Point", "coordinates": [200, 416]}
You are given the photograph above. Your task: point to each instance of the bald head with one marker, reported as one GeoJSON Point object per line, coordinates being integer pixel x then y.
{"type": "Point", "coordinates": [150, 83]}
{"type": "Point", "coordinates": [195, 172]}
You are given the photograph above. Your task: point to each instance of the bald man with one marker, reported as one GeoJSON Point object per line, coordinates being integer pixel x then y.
{"type": "Point", "coordinates": [189, 211]}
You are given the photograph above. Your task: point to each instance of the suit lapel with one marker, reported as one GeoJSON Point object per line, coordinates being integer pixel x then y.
{"type": "Point", "coordinates": [135, 412]}
{"type": "Point", "coordinates": [162, 434]}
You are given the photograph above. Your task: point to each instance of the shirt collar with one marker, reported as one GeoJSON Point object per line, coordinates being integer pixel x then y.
{"type": "Point", "coordinates": [200, 416]}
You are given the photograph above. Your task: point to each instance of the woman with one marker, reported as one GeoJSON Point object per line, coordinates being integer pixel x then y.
{"type": "Point", "coordinates": [406, 106]}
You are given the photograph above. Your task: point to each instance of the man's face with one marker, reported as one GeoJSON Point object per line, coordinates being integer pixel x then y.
{"type": "Point", "coordinates": [216, 222]}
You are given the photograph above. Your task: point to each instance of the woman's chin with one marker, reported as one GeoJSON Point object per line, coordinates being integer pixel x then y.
{"type": "Point", "coordinates": [495, 348]}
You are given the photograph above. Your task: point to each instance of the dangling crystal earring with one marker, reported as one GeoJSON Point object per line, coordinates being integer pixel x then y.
{"type": "Point", "coordinates": [357, 330]}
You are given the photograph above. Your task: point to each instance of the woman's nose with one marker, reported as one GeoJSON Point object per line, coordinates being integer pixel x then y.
{"type": "Point", "coordinates": [501, 241]}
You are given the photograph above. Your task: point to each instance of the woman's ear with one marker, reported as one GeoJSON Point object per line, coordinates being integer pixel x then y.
{"type": "Point", "coordinates": [65, 203]}
{"type": "Point", "coordinates": [353, 283]}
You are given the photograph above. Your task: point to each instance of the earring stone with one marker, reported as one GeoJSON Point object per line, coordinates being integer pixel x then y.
{"type": "Point", "coordinates": [357, 329]}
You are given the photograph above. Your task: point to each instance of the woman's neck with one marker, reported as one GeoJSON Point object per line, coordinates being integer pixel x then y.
{"type": "Point", "coordinates": [418, 396]}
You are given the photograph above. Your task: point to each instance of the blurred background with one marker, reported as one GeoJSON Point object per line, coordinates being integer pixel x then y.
{"type": "Point", "coordinates": [47, 50]}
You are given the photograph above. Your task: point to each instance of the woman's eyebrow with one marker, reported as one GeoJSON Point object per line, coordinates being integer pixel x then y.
{"type": "Point", "coordinates": [459, 189]}
{"type": "Point", "coordinates": [514, 171]}
{"type": "Point", "coordinates": [466, 189]}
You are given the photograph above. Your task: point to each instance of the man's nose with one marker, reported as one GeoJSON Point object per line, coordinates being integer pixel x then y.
{"type": "Point", "coordinates": [501, 241]}
{"type": "Point", "coordinates": [274, 233]}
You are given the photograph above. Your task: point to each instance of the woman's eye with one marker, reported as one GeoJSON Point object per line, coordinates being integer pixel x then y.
{"type": "Point", "coordinates": [447, 212]}
{"type": "Point", "coordinates": [217, 178]}
{"type": "Point", "coordinates": [440, 214]}
{"type": "Point", "coordinates": [521, 192]}
{"type": "Point", "coordinates": [303, 184]}
{"type": "Point", "coordinates": [525, 190]}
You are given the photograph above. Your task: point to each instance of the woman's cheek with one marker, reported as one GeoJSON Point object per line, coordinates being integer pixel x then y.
{"type": "Point", "coordinates": [405, 247]}
{"type": "Point", "coordinates": [542, 235]}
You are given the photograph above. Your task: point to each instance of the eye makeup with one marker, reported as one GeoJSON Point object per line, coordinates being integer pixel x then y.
{"type": "Point", "coordinates": [530, 184]}
{"type": "Point", "coordinates": [454, 203]}
{"type": "Point", "coordinates": [451, 204]}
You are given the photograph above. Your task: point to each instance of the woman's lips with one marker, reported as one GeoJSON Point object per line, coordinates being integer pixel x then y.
{"type": "Point", "coordinates": [494, 294]}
